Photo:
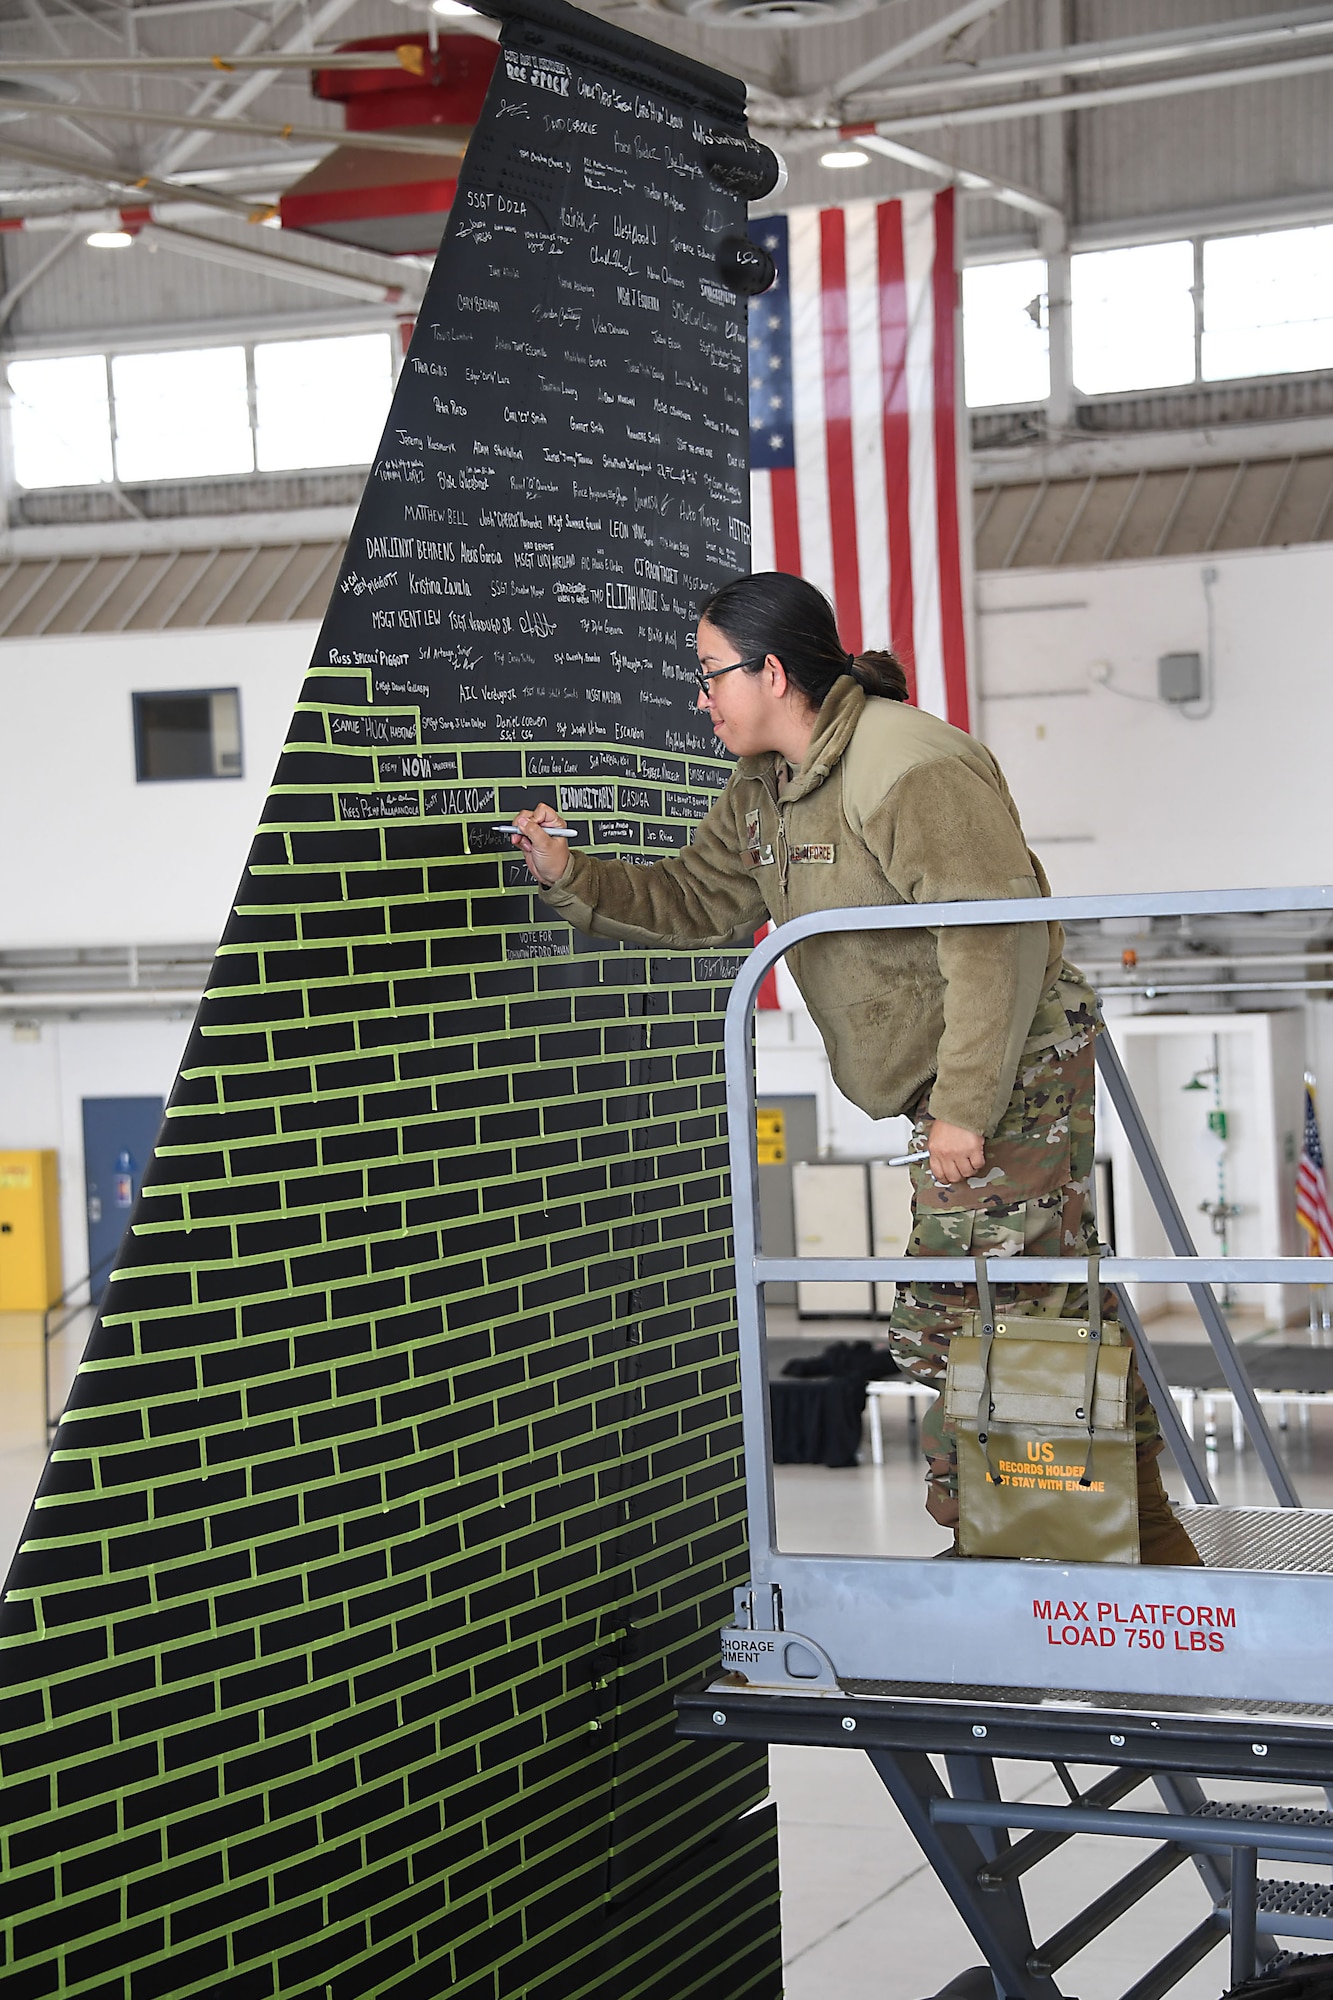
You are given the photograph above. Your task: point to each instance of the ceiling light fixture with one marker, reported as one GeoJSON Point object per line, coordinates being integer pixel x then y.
{"type": "Point", "coordinates": [110, 239]}
{"type": "Point", "coordinates": [846, 156]}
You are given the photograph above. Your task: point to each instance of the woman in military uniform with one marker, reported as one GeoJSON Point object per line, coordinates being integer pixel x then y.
{"type": "Point", "coordinates": [844, 794]}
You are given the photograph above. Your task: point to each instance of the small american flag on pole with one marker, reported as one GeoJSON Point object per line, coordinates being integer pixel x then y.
{"type": "Point", "coordinates": [1312, 1210]}
{"type": "Point", "coordinates": [853, 428]}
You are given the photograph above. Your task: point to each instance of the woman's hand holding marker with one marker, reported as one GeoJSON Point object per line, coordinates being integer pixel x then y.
{"type": "Point", "coordinates": [955, 1153]}
{"type": "Point", "coordinates": [546, 853]}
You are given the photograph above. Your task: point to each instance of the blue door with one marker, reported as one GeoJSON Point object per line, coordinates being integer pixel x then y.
{"type": "Point", "coordinates": [119, 1134]}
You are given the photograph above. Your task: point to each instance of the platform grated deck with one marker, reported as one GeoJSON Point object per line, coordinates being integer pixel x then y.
{"type": "Point", "coordinates": [1268, 1538]}
{"type": "Point", "coordinates": [1295, 1899]}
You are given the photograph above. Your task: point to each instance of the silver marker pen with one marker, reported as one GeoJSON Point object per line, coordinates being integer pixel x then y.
{"type": "Point", "coordinates": [554, 832]}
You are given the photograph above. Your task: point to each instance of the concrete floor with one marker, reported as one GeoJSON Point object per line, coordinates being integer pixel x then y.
{"type": "Point", "coordinates": [22, 1429]}
{"type": "Point", "coordinates": [863, 1916]}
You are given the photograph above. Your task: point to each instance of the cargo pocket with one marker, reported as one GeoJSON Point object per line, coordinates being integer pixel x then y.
{"type": "Point", "coordinates": [1030, 1155]}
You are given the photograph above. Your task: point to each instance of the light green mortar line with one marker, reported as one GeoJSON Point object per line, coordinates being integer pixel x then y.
{"type": "Point", "coordinates": [304, 1094]}
{"type": "Point", "coordinates": [567, 1737]}
{"type": "Point", "coordinates": [233, 1879]}
{"type": "Point", "coordinates": [424, 1345]}
{"type": "Point", "coordinates": [489, 1652]}
{"type": "Point", "coordinates": [260, 1789]}
{"type": "Point", "coordinates": [477, 1820]}
{"type": "Point", "coordinates": [443, 1953]}
{"type": "Point", "coordinates": [119, 1538]}
{"type": "Point", "coordinates": [540, 1203]}
{"type": "Point", "coordinates": [405, 1232]}
{"type": "Point", "coordinates": [178, 1398]}
{"type": "Point", "coordinates": [205, 1936]}
{"type": "Point", "coordinates": [430, 1565]}
{"type": "Point", "coordinates": [574, 1960]}
{"type": "Point", "coordinates": [598, 952]}
{"type": "Point", "coordinates": [234, 1179]}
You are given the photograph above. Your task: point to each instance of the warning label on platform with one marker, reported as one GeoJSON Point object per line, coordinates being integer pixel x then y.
{"type": "Point", "coordinates": [1157, 1628]}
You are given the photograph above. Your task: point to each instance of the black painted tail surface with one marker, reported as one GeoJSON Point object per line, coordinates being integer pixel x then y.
{"type": "Point", "coordinates": [400, 1483]}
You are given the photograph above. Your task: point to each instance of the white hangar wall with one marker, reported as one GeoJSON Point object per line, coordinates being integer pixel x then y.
{"type": "Point", "coordinates": [1121, 793]}
{"type": "Point", "coordinates": [93, 858]}
{"type": "Point", "coordinates": [105, 860]}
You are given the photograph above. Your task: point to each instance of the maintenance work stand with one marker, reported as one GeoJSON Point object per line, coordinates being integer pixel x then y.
{"type": "Point", "coordinates": [1115, 1677]}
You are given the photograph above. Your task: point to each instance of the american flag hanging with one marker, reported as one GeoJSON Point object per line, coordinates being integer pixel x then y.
{"type": "Point", "coordinates": [1312, 1210]}
{"type": "Point", "coordinates": [853, 438]}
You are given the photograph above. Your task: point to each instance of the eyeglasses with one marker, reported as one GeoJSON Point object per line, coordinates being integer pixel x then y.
{"type": "Point", "coordinates": [716, 673]}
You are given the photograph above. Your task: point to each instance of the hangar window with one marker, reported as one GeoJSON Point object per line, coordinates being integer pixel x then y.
{"type": "Point", "coordinates": [183, 415]}
{"type": "Point", "coordinates": [1006, 346]}
{"type": "Point", "coordinates": [1268, 303]}
{"type": "Point", "coordinates": [187, 733]}
{"type": "Point", "coordinates": [321, 402]}
{"type": "Point", "coordinates": [61, 418]}
{"type": "Point", "coordinates": [1133, 317]}
{"type": "Point", "coordinates": [198, 412]}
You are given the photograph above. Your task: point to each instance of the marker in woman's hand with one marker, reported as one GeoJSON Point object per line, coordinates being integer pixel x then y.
{"type": "Point", "coordinates": [552, 832]}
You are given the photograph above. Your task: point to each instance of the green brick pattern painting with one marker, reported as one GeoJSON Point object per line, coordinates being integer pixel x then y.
{"type": "Point", "coordinates": [400, 1484]}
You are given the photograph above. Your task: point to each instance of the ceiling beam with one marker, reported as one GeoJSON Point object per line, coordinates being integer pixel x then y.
{"type": "Point", "coordinates": [91, 20]}
{"type": "Point", "coordinates": [1092, 452]}
{"type": "Point", "coordinates": [902, 52]}
{"type": "Point", "coordinates": [1011, 194]}
{"type": "Point", "coordinates": [255, 38]}
{"type": "Point", "coordinates": [329, 135]}
{"type": "Point", "coordinates": [288, 270]}
{"type": "Point", "coordinates": [386, 275]}
{"type": "Point", "coordinates": [161, 10]}
{"type": "Point", "coordinates": [40, 18]}
{"type": "Point", "coordinates": [313, 27]}
{"type": "Point", "coordinates": [260, 182]}
{"type": "Point", "coordinates": [408, 57]}
{"type": "Point", "coordinates": [125, 180]}
{"type": "Point", "coordinates": [1208, 42]}
{"type": "Point", "coordinates": [1091, 100]}
{"type": "Point", "coordinates": [303, 319]}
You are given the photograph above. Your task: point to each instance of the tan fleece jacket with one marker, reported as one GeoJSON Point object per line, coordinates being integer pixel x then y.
{"type": "Point", "coordinates": [891, 805]}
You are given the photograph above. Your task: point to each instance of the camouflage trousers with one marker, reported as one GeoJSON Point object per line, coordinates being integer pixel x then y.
{"type": "Point", "coordinates": [1033, 1196]}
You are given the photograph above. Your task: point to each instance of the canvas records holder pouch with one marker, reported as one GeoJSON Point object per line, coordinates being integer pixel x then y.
{"type": "Point", "coordinates": [1044, 1416]}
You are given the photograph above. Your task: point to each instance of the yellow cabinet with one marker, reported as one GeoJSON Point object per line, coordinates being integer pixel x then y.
{"type": "Point", "coordinates": [30, 1277]}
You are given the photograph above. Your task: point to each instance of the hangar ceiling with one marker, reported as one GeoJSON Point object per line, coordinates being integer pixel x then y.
{"type": "Point", "coordinates": [1152, 117]}
{"type": "Point", "coordinates": [1067, 125]}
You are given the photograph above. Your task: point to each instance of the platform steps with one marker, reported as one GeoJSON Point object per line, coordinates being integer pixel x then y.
{"type": "Point", "coordinates": [964, 1827]}
{"type": "Point", "coordinates": [1305, 1909]}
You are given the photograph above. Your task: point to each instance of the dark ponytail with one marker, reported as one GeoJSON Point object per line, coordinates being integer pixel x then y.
{"type": "Point", "coordinates": [786, 616]}
{"type": "Point", "coordinates": [883, 674]}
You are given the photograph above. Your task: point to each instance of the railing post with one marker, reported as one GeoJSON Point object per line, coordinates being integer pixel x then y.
{"type": "Point", "coordinates": [1178, 1236]}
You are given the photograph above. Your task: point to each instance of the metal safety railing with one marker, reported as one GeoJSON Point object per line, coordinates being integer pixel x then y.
{"type": "Point", "coordinates": [835, 1587]}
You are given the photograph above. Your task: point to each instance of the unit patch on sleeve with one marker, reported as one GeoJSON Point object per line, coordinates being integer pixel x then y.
{"type": "Point", "coordinates": [759, 853]}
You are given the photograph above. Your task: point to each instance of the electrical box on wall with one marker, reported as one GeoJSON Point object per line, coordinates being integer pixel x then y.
{"type": "Point", "coordinates": [29, 1232]}
{"type": "Point", "coordinates": [1180, 677]}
